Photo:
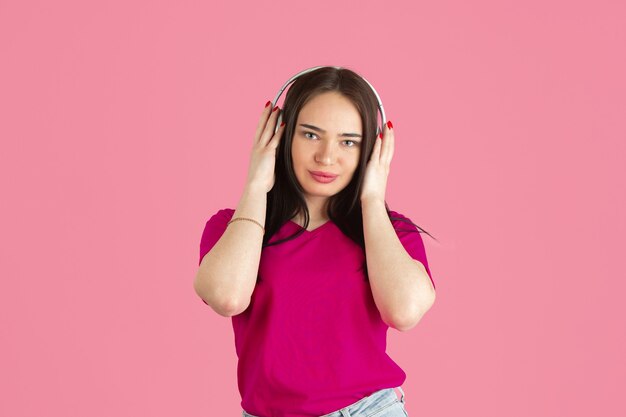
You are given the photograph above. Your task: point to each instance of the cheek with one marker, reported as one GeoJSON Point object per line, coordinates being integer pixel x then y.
{"type": "Point", "coordinates": [297, 162]}
{"type": "Point", "coordinates": [298, 156]}
{"type": "Point", "coordinates": [355, 162]}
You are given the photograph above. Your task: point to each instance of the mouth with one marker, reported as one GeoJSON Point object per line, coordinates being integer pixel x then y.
{"type": "Point", "coordinates": [324, 179]}
{"type": "Point", "coordinates": [323, 174]}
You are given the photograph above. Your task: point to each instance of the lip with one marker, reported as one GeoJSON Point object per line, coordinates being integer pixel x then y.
{"type": "Point", "coordinates": [322, 179]}
{"type": "Point", "coordinates": [323, 174]}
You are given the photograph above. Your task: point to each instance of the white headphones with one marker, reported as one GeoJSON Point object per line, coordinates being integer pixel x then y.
{"type": "Point", "coordinates": [292, 79]}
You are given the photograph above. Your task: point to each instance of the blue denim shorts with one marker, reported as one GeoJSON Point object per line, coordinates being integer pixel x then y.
{"type": "Point", "coordinates": [383, 403]}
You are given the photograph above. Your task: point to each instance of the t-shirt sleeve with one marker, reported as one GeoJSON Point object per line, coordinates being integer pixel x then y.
{"type": "Point", "coordinates": [412, 241]}
{"type": "Point", "coordinates": [213, 230]}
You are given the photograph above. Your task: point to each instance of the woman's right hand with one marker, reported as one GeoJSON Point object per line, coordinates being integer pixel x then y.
{"type": "Point", "coordinates": [263, 157]}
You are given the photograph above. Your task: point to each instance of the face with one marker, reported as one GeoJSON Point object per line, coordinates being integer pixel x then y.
{"type": "Point", "coordinates": [327, 138]}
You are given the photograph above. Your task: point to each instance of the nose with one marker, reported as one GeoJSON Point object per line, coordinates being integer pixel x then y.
{"type": "Point", "coordinates": [326, 154]}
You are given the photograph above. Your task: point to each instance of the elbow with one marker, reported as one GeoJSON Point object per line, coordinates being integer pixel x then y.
{"type": "Point", "coordinates": [234, 308]}
{"type": "Point", "coordinates": [225, 308]}
{"type": "Point", "coordinates": [406, 322]}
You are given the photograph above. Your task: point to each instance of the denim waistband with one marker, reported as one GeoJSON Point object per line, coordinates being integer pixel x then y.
{"type": "Point", "coordinates": [376, 399]}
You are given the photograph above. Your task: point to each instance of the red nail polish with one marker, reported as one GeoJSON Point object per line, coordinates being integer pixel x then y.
{"type": "Point", "coordinates": [275, 108]}
{"type": "Point", "coordinates": [268, 103]}
{"type": "Point", "coordinates": [389, 125]}
{"type": "Point", "coordinates": [380, 135]}
{"type": "Point", "coordinates": [282, 124]}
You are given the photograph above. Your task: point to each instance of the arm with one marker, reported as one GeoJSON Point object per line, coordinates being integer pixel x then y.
{"type": "Point", "coordinates": [401, 287]}
{"type": "Point", "coordinates": [227, 273]}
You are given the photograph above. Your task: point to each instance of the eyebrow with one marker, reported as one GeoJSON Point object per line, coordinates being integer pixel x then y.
{"type": "Point", "coordinates": [349, 135]}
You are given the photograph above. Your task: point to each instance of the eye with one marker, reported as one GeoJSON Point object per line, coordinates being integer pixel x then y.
{"type": "Point", "coordinates": [354, 143]}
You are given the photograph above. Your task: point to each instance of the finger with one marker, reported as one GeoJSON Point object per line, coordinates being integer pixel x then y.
{"type": "Point", "coordinates": [376, 151]}
{"type": "Point", "coordinates": [268, 132]}
{"type": "Point", "coordinates": [262, 121]}
{"type": "Point", "coordinates": [388, 145]}
{"type": "Point", "coordinates": [392, 144]}
{"type": "Point", "coordinates": [279, 133]}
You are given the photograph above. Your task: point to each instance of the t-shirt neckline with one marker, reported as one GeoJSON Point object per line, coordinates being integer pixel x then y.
{"type": "Point", "coordinates": [323, 225]}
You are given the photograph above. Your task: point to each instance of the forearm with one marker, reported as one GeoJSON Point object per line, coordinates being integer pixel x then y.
{"type": "Point", "coordinates": [400, 284]}
{"type": "Point", "coordinates": [228, 272]}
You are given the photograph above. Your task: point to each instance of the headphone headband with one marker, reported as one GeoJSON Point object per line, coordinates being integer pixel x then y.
{"type": "Point", "coordinates": [292, 79]}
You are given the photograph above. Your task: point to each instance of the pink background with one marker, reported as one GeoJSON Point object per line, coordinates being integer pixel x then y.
{"type": "Point", "coordinates": [125, 125]}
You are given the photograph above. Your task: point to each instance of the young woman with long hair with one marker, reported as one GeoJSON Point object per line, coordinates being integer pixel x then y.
{"type": "Point", "coordinates": [312, 265]}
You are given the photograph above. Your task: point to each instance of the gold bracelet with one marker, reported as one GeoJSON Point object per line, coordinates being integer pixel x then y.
{"type": "Point", "coordinates": [245, 218]}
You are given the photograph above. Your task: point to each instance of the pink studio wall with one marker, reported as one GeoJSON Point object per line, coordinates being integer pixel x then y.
{"type": "Point", "coordinates": [125, 125]}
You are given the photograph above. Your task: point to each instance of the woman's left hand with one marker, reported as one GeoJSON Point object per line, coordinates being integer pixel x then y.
{"type": "Point", "coordinates": [377, 170]}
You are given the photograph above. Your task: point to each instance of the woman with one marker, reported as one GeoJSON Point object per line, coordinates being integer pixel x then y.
{"type": "Point", "coordinates": [312, 266]}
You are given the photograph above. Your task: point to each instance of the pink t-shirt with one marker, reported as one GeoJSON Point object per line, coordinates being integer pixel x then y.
{"type": "Point", "coordinates": [312, 340]}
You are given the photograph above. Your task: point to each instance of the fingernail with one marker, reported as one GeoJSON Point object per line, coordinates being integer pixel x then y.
{"type": "Point", "coordinates": [275, 108]}
{"type": "Point", "coordinates": [268, 103]}
{"type": "Point", "coordinates": [380, 135]}
{"type": "Point", "coordinates": [282, 124]}
{"type": "Point", "coordinates": [389, 125]}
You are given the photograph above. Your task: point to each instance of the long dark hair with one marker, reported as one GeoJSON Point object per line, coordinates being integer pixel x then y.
{"type": "Point", "coordinates": [286, 197]}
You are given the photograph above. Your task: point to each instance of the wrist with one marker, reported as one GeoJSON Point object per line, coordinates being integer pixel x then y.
{"type": "Point", "coordinates": [254, 189]}
{"type": "Point", "coordinates": [372, 201]}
